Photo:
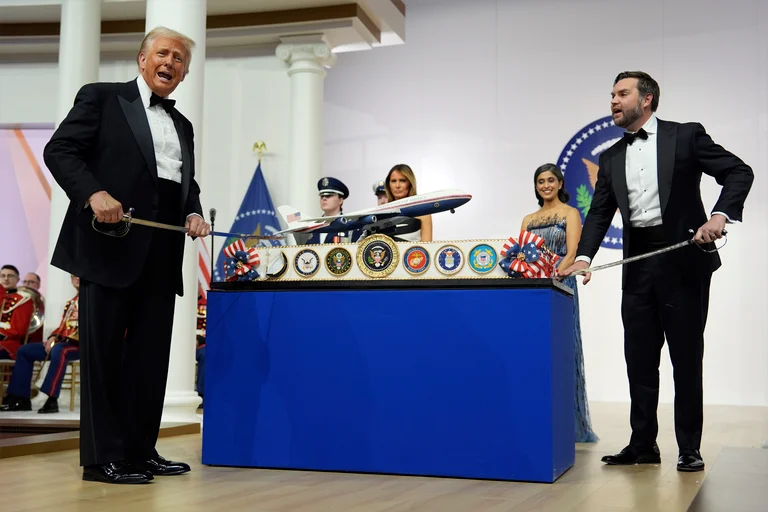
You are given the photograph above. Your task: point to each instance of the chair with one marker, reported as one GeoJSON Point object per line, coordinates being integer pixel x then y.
{"type": "Point", "coordinates": [6, 369]}
{"type": "Point", "coordinates": [72, 377]}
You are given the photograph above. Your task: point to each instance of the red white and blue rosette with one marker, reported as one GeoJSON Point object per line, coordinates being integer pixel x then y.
{"type": "Point", "coordinates": [241, 262]}
{"type": "Point", "coordinates": [528, 257]}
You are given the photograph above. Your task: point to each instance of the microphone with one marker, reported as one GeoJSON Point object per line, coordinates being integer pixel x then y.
{"type": "Point", "coordinates": [212, 215]}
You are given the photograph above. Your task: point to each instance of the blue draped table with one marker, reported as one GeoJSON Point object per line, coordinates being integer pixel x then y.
{"type": "Point", "coordinates": [462, 378]}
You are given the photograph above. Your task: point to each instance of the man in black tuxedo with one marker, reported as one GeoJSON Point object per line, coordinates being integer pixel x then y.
{"type": "Point", "coordinates": [652, 176]}
{"type": "Point", "coordinates": [126, 144]}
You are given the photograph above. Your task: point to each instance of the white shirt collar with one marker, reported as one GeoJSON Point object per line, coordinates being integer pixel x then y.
{"type": "Point", "coordinates": [651, 125]}
{"type": "Point", "coordinates": [144, 91]}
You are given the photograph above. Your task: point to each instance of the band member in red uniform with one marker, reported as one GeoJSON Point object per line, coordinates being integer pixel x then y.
{"type": "Point", "coordinates": [61, 346]}
{"type": "Point", "coordinates": [16, 312]}
{"type": "Point", "coordinates": [32, 280]}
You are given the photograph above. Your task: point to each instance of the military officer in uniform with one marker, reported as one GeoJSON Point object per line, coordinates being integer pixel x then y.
{"type": "Point", "coordinates": [332, 194]}
{"type": "Point", "coordinates": [380, 190]}
{"type": "Point", "coordinates": [61, 346]}
{"type": "Point", "coordinates": [16, 312]}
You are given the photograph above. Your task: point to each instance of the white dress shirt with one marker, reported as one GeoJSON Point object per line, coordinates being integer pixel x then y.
{"type": "Point", "coordinates": [165, 139]}
{"type": "Point", "coordinates": [164, 136]}
{"type": "Point", "coordinates": [643, 178]}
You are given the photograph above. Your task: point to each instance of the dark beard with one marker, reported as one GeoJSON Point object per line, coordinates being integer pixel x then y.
{"type": "Point", "coordinates": [630, 117]}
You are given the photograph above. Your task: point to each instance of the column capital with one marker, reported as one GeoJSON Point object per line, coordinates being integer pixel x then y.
{"type": "Point", "coordinates": [306, 55]}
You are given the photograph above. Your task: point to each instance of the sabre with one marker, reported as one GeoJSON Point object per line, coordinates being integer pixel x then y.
{"type": "Point", "coordinates": [647, 255]}
{"type": "Point", "coordinates": [128, 220]}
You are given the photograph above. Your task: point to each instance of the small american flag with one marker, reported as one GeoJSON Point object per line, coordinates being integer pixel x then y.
{"type": "Point", "coordinates": [293, 217]}
{"type": "Point", "coordinates": [231, 249]}
{"type": "Point", "coordinates": [203, 269]}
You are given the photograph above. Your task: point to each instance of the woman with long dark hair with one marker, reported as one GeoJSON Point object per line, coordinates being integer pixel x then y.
{"type": "Point", "coordinates": [560, 226]}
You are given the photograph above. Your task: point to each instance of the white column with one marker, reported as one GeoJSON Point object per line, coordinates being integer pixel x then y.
{"type": "Point", "coordinates": [308, 57]}
{"type": "Point", "coordinates": [189, 18]}
{"type": "Point", "coordinates": [79, 52]}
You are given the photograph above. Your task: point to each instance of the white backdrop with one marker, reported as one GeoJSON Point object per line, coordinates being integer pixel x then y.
{"type": "Point", "coordinates": [480, 95]}
{"type": "Point", "coordinates": [483, 92]}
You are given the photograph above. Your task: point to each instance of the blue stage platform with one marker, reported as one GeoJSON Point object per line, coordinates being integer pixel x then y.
{"type": "Point", "coordinates": [471, 378]}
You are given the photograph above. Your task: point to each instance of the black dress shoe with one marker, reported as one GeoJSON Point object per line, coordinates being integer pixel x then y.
{"type": "Point", "coordinates": [690, 460]}
{"type": "Point", "coordinates": [632, 455]}
{"type": "Point", "coordinates": [162, 467]}
{"type": "Point", "coordinates": [51, 405]}
{"type": "Point", "coordinates": [16, 403]}
{"type": "Point", "coordinates": [116, 473]}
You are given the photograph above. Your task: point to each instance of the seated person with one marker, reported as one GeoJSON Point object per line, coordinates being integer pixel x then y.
{"type": "Point", "coordinates": [32, 280]}
{"type": "Point", "coordinates": [332, 194]}
{"type": "Point", "coordinates": [62, 346]}
{"type": "Point", "coordinates": [16, 312]}
{"type": "Point", "coordinates": [401, 183]}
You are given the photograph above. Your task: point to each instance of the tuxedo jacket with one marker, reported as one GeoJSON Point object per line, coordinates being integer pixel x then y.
{"type": "Point", "coordinates": [684, 152]}
{"type": "Point", "coordinates": [105, 143]}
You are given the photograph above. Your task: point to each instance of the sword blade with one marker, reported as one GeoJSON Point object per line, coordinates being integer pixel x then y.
{"type": "Point", "coordinates": [633, 258]}
{"type": "Point", "coordinates": [182, 229]}
{"type": "Point", "coordinates": [153, 224]}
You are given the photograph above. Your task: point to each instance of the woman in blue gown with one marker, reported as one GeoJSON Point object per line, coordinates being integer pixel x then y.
{"type": "Point", "coordinates": [560, 227]}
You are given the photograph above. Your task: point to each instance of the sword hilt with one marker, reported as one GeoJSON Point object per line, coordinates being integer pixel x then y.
{"type": "Point", "coordinates": [117, 229]}
{"type": "Point", "coordinates": [122, 227]}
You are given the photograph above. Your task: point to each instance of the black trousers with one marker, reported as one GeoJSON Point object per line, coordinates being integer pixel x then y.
{"type": "Point", "coordinates": [660, 300]}
{"type": "Point", "coordinates": [125, 343]}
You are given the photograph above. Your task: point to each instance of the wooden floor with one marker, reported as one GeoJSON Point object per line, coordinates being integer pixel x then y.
{"type": "Point", "coordinates": [739, 477]}
{"type": "Point", "coordinates": [53, 481]}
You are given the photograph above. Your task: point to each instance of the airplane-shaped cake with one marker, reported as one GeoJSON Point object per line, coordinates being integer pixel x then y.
{"type": "Point", "coordinates": [379, 218]}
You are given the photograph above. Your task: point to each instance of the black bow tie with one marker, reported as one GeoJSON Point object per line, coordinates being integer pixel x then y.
{"type": "Point", "coordinates": [166, 103]}
{"type": "Point", "coordinates": [641, 134]}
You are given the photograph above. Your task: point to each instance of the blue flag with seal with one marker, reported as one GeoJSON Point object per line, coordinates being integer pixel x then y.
{"type": "Point", "coordinates": [256, 216]}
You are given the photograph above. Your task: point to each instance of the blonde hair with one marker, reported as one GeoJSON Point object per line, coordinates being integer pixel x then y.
{"type": "Point", "coordinates": [406, 171]}
{"type": "Point", "coordinates": [156, 32]}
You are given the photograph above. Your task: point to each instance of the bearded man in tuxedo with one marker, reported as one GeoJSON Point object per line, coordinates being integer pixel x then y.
{"type": "Point", "coordinates": [652, 176]}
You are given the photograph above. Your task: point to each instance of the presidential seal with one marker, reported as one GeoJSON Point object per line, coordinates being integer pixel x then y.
{"type": "Point", "coordinates": [306, 263]}
{"type": "Point", "coordinates": [416, 260]}
{"type": "Point", "coordinates": [482, 258]}
{"type": "Point", "coordinates": [338, 261]}
{"type": "Point", "coordinates": [579, 163]}
{"type": "Point", "coordinates": [377, 256]}
{"type": "Point", "coordinates": [449, 260]}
